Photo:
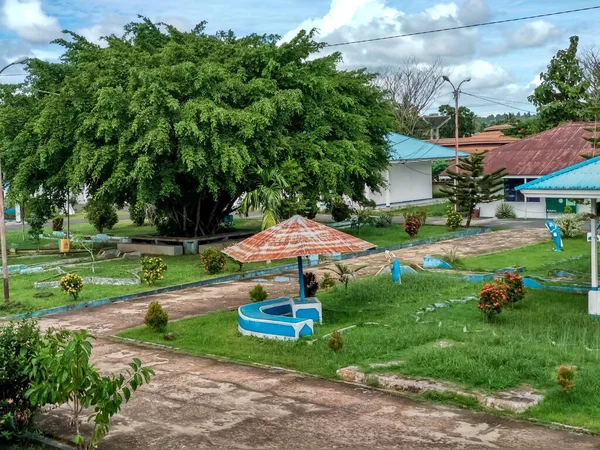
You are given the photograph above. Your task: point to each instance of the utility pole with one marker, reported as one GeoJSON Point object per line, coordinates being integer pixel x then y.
{"type": "Point", "coordinates": [456, 92]}
{"type": "Point", "coordinates": [2, 223]}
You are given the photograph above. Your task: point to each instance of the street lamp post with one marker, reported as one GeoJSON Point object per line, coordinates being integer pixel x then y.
{"type": "Point", "coordinates": [2, 224]}
{"type": "Point", "coordinates": [456, 92]}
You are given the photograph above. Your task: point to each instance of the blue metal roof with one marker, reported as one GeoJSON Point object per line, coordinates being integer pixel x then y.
{"type": "Point", "coordinates": [582, 176]}
{"type": "Point", "coordinates": [405, 148]}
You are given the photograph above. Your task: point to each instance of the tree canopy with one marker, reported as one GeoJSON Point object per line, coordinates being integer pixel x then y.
{"type": "Point", "coordinates": [182, 121]}
{"type": "Point", "coordinates": [467, 123]}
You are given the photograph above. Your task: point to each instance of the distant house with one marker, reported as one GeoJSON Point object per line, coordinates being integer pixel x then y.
{"type": "Point", "coordinates": [409, 176]}
{"type": "Point", "coordinates": [489, 139]}
{"type": "Point", "coordinates": [533, 157]}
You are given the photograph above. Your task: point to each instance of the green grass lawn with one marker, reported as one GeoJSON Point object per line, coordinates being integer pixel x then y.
{"type": "Point", "coordinates": [385, 237]}
{"type": "Point", "coordinates": [524, 345]}
{"type": "Point", "coordinates": [539, 259]}
{"type": "Point", "coordinates": [435, 210]}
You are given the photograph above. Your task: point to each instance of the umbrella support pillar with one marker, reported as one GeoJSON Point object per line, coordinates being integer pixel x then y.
{"type": "Point", "coordinates": [301, 279]}
{"type": "Point", "coordinates": [594, 294]}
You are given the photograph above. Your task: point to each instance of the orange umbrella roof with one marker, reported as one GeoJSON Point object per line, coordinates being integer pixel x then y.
{"type": "Point", "coordinates": [296, 236]}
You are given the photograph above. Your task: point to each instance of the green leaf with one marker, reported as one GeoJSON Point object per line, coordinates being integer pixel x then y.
{"type": "Point", "coordinates": [127, 393]}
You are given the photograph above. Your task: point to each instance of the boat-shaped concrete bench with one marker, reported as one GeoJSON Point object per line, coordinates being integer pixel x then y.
{"type": "Point", "coordinates": [282, 318]}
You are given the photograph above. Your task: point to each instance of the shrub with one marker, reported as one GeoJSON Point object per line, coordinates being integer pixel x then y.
{"type": "Point", "coordinates": [568, 209]}
{"type": "Point", "coordinates": [335, 341]}
{"type": "Point", "coordinates": [327, 282]}
{"type": "Point", "coordinates": [101, 215]}
{"type": "Point", "coordinates": [566, 377]}
{"type": "Point", "coordinates": [451, 255]}
{"type": "Point", "coordinates": [339, 211]}
{"type": "Point", "coordinates": [412, 225]}
{"type": "Point", "coordinates": [57, 223]}
{"type": "Point", "coordinates": [153, 269]}
{"type": "Point", "coordinates": [384, 220]}
{"type": "Point", "coordinates": [39, 211]}
{"type": "Point", "coordinates": [71, 284]}
{"type": "Point", "coordinates": [156, 317]}
{"type": "Point", "coordinates": [19, 342]}
{"type": "Point", "coordinates": [137, 214]}
{"type": "Point", "coordinates": [492, 299]}
{"type": "Point", "coordinates": [258, 294]}
{"type": "Point", "coordinates": [505, 211]}
{"type": "Point", "coordinates": [213, 260]}
{"type": "Point", "coordinates": [570, 224]}
{"type": "Point", "coordinates": [453, 218]}
{"type": "Point", "coordinates": [311, 284]}
{"type": "Point", "coordinates": [515, 289]}
{"type": "Point", "coordinates": [421, 214]}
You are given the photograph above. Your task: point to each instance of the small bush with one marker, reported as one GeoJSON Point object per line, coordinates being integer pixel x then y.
{"type": "Point", "coordinates": [258, 294]}
{"type": "Point", "coordinates": [570, 224]}
{"type": "Point", "coordinates": [451, 255]}
{"type": "Point", "coordinates": [71, 284]}
{"type": "Point", "coordinates": [422, 215]}
{"type": "Point", "coordinates": [568, 209]}
{"type": "Point", "coordinates": [335, 341]}
{"type": "Point", "coordinates": [566, 378]}
{"type": "Point", "coordinates": [153, 269]}
{"type": "Point", "coordinates": [137, 214]}
{"type": "Point", "coordinates": [384, 220]}
{"type": "Point", "coordinates": [327, 281]}
{"type": "Point", "coordinates": [57, 223]}
{"type": "Point", "coordinates": [156, 317]}
{"type": "Point", "coordinates": [339, 211]}
{"type": "Point", "coordinates": [213, 260]}
{"type": "Point", "coordinates": [453, 218]}
{"type": "Point", "coordinates": [169, 337]}
{"type": "Point", "coordinates": [492, 299]}
{"type": "Point", "coordinates": [515, 289]}
{"type": "Point", "coordinates": [311, 284]}
{"type": "Point", "coordinates": [505, 211]}
{"type": "Point", "coordinates": [101, 215]}
{"type": "Point", "coordinates": [412, 225]}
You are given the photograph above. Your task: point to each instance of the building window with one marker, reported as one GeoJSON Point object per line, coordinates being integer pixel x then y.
{"type": "Point", "coordinates": [510, 194]}
{"type": "Point", "coordinates": [532, 199]}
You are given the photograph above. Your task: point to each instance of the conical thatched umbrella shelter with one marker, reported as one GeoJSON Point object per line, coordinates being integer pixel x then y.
{"type": "Point", "coordinates": [296, 237]}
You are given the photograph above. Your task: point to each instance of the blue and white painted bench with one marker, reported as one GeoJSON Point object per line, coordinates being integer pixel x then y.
{"type": "Point", "coordinates": [282, 318]}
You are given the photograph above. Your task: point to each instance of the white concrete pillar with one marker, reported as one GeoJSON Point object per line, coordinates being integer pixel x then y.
{"type": "Point", "coordinates": [387, 189]}
{"type": "Point", "coordinates": [594, 295]}
{"type": "Point", "coordinates": [18, 213]}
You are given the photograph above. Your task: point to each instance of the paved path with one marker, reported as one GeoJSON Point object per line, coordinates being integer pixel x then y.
{"type": "Point", "coordinates": [201, 403]}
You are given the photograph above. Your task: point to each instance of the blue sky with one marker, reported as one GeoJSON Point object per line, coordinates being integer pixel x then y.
{"type": "Point", "coordinates": [503, 61]}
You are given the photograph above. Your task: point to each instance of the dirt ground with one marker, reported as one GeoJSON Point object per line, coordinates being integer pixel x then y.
{"type": "Point", "coordinates": [202, 403]}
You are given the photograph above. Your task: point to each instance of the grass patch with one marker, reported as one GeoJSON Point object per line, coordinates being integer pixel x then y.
{"type": "Point", "coordinates": [452, 399]}
{"type": "Point", "coordinates": [434, 210]}
{"type": "Point", "coordinates": [394, 235]}
{"type": "Point", "coordinates": [524, 345]}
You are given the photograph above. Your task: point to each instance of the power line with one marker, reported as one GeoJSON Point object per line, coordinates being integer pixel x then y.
{"type": "Point", "coordinates": [498, 103]}
{"type": "Point", "coordinates": [13, 75]}
{"type": "Point", "coordinates": [461, 27]}
{"type": "Point", "coordinates": [504, 100]}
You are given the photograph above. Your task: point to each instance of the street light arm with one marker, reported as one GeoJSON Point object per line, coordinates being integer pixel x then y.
{"type": "Point", "coordinates": [14, 63]}
{"type": "Point", "coordinates": [462, 82]}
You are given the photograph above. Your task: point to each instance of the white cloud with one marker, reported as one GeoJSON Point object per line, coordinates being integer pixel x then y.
{"type": "Point", "coordinates": [483, 74]}
{"type": "Point", "coordinates": [29, 21]}
{"type": "Point", "coordinates": [532, 34]}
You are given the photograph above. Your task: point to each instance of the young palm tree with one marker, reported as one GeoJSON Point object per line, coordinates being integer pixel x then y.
{"type": "Point", "coordinates": [266, 196]}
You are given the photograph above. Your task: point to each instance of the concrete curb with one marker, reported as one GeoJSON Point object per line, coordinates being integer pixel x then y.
{"type": "Point", "coordinates": [239, 276]}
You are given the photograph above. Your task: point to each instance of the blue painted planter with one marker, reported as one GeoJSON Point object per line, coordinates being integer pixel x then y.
{"type": "Point", "coordinates": [520, 269]}
{"type": "Point", "coordinates": [479, 277]}
{"type": "Point", "coordinates": [429, 262]}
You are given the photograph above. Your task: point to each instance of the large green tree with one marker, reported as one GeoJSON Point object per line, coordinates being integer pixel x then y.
{"type": "Point", "coordinates": [467, 123]}
{"type": "Point", "coordinates": [182, 121]}
{"type": "Point", "coordinates": [563, 93]}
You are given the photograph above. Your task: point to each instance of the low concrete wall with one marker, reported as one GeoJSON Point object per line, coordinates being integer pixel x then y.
{"type": "Point", "coordinates": [152, 249]}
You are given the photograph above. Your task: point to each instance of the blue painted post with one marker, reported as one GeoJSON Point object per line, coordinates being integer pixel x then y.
{"type": "Point", "coordinates": [301, 278]}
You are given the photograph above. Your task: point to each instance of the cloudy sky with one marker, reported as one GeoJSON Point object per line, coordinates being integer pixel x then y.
{"type": "Point", "coordinates": [504, 61]}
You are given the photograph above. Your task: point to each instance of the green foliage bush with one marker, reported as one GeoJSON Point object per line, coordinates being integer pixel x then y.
{"type": "Point", "coordinates": [505, 211]}
{"type": "Point", "coordinates": [153, 269]}
{"type": "Point", "coordinates": [384, 220]}
{"type": "Point", "coordinates": [100, 214]}
{"type": "Point", "coordinates": [453, 218]}
{"type": "Point", "coordinates": [570, 224]}
{"type": "Point", "coordinates": [339, 210]}
{"type": "Point", "coordinates": [566, 378]}
{"type": "Point", "coordinates": [57, 223]}
{"type": "Point", "coordinates": [39, 210]}
{"type": "Point", "coordinates": [156, 317]}
{"type": "Point", "coordinates": [327, 281]}
{"type": "Point", "coordinates": [258, 294]}
{"type": "Point", "coordinates": [19, 342]}
{"type": "Point", "coordinates": [71, 284]}
{"type": "Point", "coordinates": [137, 214]}
{"type": "Point", "coordinates": [311, 284]}
{"type": "Point", "coordinates": [213, 260]}
{"type": "Point", "coordinates": [335, 341]}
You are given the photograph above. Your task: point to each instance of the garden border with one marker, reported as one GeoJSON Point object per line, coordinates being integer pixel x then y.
{"type": "Point", "coordinates": [239, 276]}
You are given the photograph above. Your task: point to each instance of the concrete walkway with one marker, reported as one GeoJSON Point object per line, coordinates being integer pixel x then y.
{"type": "Point", "coordinates": [200, 403]}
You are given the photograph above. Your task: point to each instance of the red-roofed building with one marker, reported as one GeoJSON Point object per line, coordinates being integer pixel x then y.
{"type": "Point", "coordinates": [491, 138]}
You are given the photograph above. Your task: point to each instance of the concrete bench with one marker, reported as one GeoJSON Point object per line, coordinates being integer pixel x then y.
{"type": "Point", "coordinates": [282, 318]}
{"type": "Point", "coordinates": [152, 249]}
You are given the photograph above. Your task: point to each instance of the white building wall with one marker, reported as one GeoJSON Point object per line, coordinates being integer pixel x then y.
{"type": "Point", "coordinates": [406, 182]}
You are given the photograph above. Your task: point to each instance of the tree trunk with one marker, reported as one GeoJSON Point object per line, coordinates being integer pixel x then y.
{"type": "Point", "coordinates": [468, 224]}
